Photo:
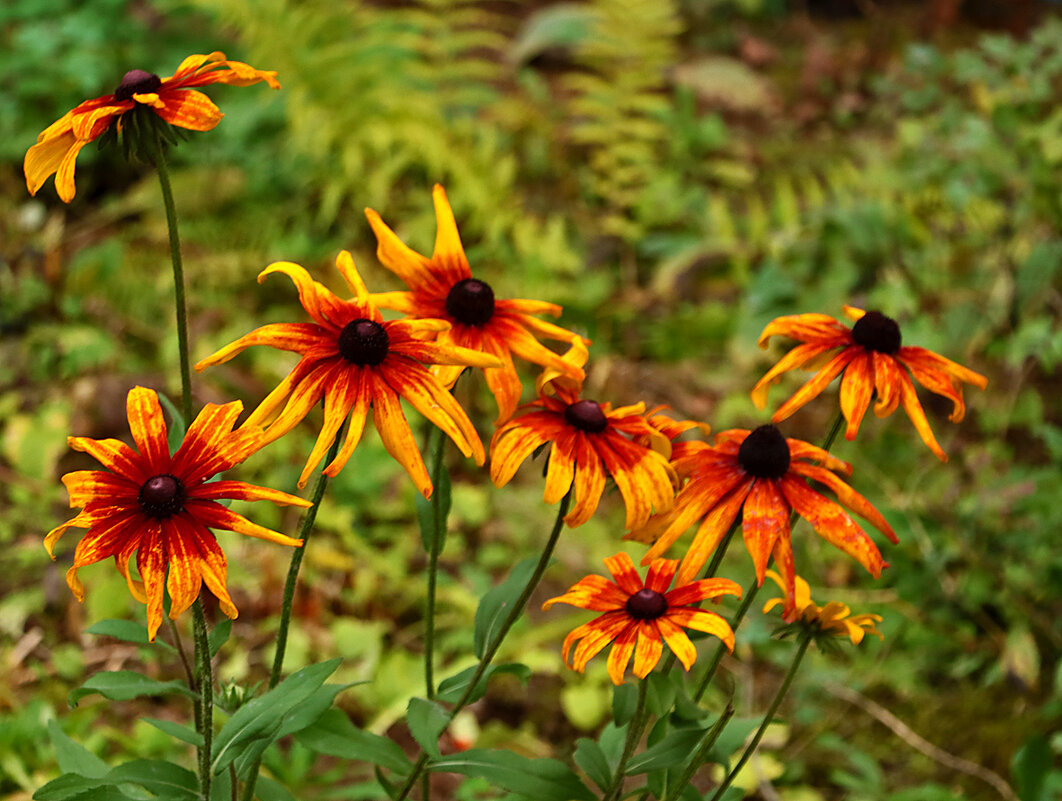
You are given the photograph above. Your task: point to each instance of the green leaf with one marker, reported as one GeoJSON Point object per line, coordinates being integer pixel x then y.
{"type": "Point", "coordinates": [122, 685]}
{"type": "Point", "coordinates": [126, 631]}
{"type": "Point", "coordinates": [1030, 766]}
{"type": "Point", "coordinates": [162, 778]}
{"type": "Point", "coordinates": [556, 25]}
{"type": "Point", "coordinates": [624, 702]}
{"type": "Point", "coordinates": [451, 689]}
{"type": "Point", "coordinates": [673, 750]}
{"type": "Point", "coordinates": [74, 757]}
{"type": "Point", "coordinates": [426, 721]}
{"type": "Point", "coordinates": [175, 429]}
{"type": "Point", "coordinates": [497, 602]}
{"type": "Point", "coordinates": [661, 694]}
{"type": "Point", "coordinates": [737, 731]}
{"type": "Point", "coordinates": [219, 636]}
{"type": "Point", "coordinates": [182, 733]}
{"type": "Point", "coordinates": [254, 725]}
{"type": "Point", "coordinates": [541, 779]}
{"type": "Point", "coordinates": [333, 734]}
{"type": "Point", "coordinates": [589, 756]}
{"type": "Point", "coordinates": [269, 790]}
{"type": "Point", "coordinates": [312, 708]}
{"type": "Point", "coordinates": [68, 786]}
{"type": "Point", "coordinates": [443, 496]}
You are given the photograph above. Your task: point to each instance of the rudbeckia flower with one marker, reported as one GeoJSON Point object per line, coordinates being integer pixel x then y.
{"type": "Point", "coordinates": [648, 614]}
{"type": "Point", "coordinates": [588, 442]}
{"type": "Point", "coordinates": [443, 287]}
{"type": "Point", "coordinates": [873, 361]}
{"type": "Point", "coordinates": [764, 476]}
{"type": "Point", "coordinates": [174, 99]}
{"type": "Point", "coordinates": [353, 359]}
{"type": "Point", "coordinates": [160, 506]}
{"type": "Point", "coordinates": [834, 620]}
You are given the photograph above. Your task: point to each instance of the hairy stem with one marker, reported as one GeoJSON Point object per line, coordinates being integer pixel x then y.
{"type": "Point", "coordinates": [634, 735]}
{"type": "Point", "coordinates": [205, 683]}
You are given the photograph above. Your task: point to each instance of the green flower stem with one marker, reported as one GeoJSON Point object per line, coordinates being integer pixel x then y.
{"type": "Point", "coordinates": [700, 754]}
{"type": "Point", "coordinates": [289, 593]}
{"type": "Point", "coordinates": [205, 685]}
{"type": "Point", "coordinates": [437, 446]}
{"type": "Point", "coordinates": [178, 276]}
{"type": "Point", "coordinates": [835, 429]}
{"type": "Point", "coordinates": [750, 596]}
{"type": "Point", "coordinates": [492, 649]}
{"type": "Point", "coordinates": [634, 736]}
{"type": "Point", "coordinates": [805, 641]}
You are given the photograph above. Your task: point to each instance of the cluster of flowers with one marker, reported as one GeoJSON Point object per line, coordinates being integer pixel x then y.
{"type": "Point", "coordinates": [161, 506]}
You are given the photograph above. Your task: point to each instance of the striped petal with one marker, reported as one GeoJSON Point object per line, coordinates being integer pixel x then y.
{"type": "Point", "coordinates": [148, 427]}
{"type": "Point", "coordinates": [214, 515]}
{"type": "Point", "coordinates": [187, 108]}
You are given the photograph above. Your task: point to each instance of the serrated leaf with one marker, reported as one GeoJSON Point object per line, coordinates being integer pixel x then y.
{"type": "Point", "coordinates": [126, 631]}
{"type": "Point", "coordinates": [497, 603]}
{"type": "Point", "coordinates": [541, 779]}
{"type": "Point", "coordinates": [68, 786]}
{"type": "Point", "coordinates": [312, 708]}
{"type": "Point", "coordinates": [589, 756]}
{"type": "Point", "coordinates": [451, 689]}
{"type": "Point", "coordinates": [182, 733]}
{"type": "Point", "coordinates": [333, 734]}
{"type": "Point", "coordinates": [426, 721]}
{"type": "Point", "coordinates": [254, 725]}
{"type": "Point", "coordinates": [123, 685]}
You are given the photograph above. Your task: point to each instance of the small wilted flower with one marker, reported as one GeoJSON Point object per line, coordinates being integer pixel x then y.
{"type": "Point", "coordinates": [834, 619]}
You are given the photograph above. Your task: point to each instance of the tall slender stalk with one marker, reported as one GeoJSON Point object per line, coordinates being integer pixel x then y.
{"type": "Point", "coordinates": [178, 276]}
{"type": "Point", "coordinates": [205, 685]}
{"type": "Point", "coordinates": [492, 648]}
{"type": "Point", "coordinates": [805, 641]}
{"type": "Point", "coordinates": [437, 446]}
{"type": "Point", "coordinates": [634, 735]}
{"type": "Point", "coordinates": [699, 755]}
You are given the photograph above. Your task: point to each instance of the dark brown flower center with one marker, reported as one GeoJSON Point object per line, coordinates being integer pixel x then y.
{"type": "Point", "coordinates": [646, 605]}
{"type": "Point", "coordinates": [364, 342]}
{"type": "Point", "coordinates": [875, 331]}
{"type": "Point", "coordinates": [470, 301]}
{"type": "Point", "coordinates": [137, 82]}
{"type": "Point", "coordinates": [764, 453]}
{"type": "Point", "coordinates": [586, 415]}
{"type": "Point", "coordinates": [162, 496]}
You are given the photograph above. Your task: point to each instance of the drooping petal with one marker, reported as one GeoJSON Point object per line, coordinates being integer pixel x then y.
{"type": "Point", "coordinates": [509, 449]}
{"type": "Point", "coordinates": [857, 387]}
{"type": "Point", "coordinates": [677, 641]}
{"type": "Point", "coordinates": [703, 620]}
{"type": "Point", "coordinates": [561, 473]}
{"type": "Point", "coordinates": [182, 558]}
{"type": "Point", "coordinates": [397, 436]}
{"type": "Point", "coordinates": [711, 532]}
{"type": "Point", "coordinates": [816, 384]}
{"type": "Point", "coordinates": [187, 108]}
{"type": "Point", "coordinates": [620, 655]}
{"type": "Point", "coordinates": [648, 651]}
{"type": "Point", "coordinates": [849, 498]}
{"type": "Point", "coordinates": [764, 520]}
{"type": "Point", "coordinates": [151, 563]}
{"type": "Point", "coordinates": [909, 399]}
{"type": "Point", "coordinates": [833, 524]}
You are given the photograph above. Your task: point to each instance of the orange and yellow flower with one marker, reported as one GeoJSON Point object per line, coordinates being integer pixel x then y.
{"type": "Point", "coordinates": [640, 617]}
{"type": "Point", "coordinates": [764, 476]}
{"type": "Point", "coordinates": [589, 441]}
{"type": "Point", "coordinates": [835, 619]}
{"type": "Point", "coordinates": [873, 360]}
{"type": "Point", "coordinates": [160, 506]}
{"type": "Point", "coordinates": [174, 99]}
{"type": "Point", "coordinates": [354, 360]}
{"type": "Point", "coordinates": [443, 287]}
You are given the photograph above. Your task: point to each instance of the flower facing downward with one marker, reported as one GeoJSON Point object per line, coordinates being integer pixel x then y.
{"type": "Point", "coordinates": [174, 99]}
{"type": "Point", "coordinates": [443, 287]}
{"type": "Point", "coordinates": [588, 442]}
{"type": "Point", "coordinates": [834, 620]}
{"type": "Point", "coordinates": [764, 476]}
{"type": "Point", "coordinates": [161, 506]}
{"type": "Point", "coordinates": [647, 614]}
{"type": "Point", "coordinates": [354, 359]}
{"type": "Point", "coordinates": [873, 361]}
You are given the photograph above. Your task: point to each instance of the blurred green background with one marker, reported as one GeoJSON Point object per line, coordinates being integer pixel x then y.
{"type": "Point", "coordinates": [676, 173]}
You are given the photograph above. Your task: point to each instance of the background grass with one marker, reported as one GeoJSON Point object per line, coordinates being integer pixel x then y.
{"type": "Point", "coordinates": [675, 174]}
